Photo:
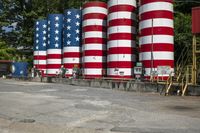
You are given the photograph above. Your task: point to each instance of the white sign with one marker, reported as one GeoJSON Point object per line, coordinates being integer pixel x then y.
{"type": "Point", "coordinates": [164, 70]}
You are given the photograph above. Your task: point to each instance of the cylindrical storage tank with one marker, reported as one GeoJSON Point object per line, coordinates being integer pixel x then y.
{"type": "Point", "coordinates": [40, 43]}
{"type": "Point", "coordinates": [54, 47]}
{"type": "Point", "coordinates": [72, 40]}
{"type": "Point", "coordinates": [156, 38]}
{"type": "Point", "coordinates": [121, 38]}
{"type": "Point", "coordinates": [94, 39]}
{"type": "Point", "coordinates": [19, 69]}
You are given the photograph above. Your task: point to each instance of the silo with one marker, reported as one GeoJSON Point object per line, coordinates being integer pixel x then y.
{"type": "Point", "coordinates": [54, 47]}
{"type": "Point", "coordinates": [94, 39]}
{"type": "Point", "coordinates": [72, 40]}
{"type": "Point", "coordinates": [40, 43]}
{"type": "Point", "coordinates": [121, 38]}
{"type": "Point", "coordinates": [156, 38]}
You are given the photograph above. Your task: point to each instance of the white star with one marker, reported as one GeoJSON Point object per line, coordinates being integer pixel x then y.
{"type": "Point", "coordinates": [48, 42]}
{"type": "Point", "coordinates": [68, 27]}
{"type": "Point", "coordinates": [44, 44]}
{"type": "Point", "coordinates": [48, 35]}
{"type": "Point", "coordinates": [77, 16]}
{"type": "Point", "coordinates": [56, 31]}
{"type": "Point", "coordinates": [44, 26]}
{"type": "Point", "coordinates": [68, 20]}
{"type": "Point", "coordinates": [37, 29]}
{"type": "Point", "coordinates": [57, 25]}
{"type": "Point", "coordinates": [77, 24]}
{"type": "Point", "coordinates": [49, 22]}
{"type": "Point", "coordinates": [77, 39]}
{"type": "Point", "coordinates": [37, 47]}
{"type": "Point", "coordinates": [68, 42]}
{"type": "Point", "coordinates": [77, 31]}
{"type": "Point", "coordinates": [56, 45]}
{"type": "Point", "coordinates": [49, 29]}
{"type": "Point", "coordinates": [44, 32]}
{"type": "Point", "coordinates": [57, 18]}
{"type": "Point", "coordinates": [44, 38]}
{"type": "Point", "coordinates": [37, 35]}
{"type": "Point", "coordinates": [68, 35]}
{"type": "Point", "coordinates": [56, 38]}
{"type": "Point", "coordinates": [37, 23]}
{"type": "Point", "coordinates": [69, 13]}
{"type": "Point", "coordinates": [37, 41]}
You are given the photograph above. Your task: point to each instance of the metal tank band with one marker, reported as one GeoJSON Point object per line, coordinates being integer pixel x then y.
{"type": "Point", "coordinates": [121, 38]}
{"type": "Point", "coordinates": [54, 47]}
{"type": "Point", "coordinates": [72, 40]}
{"type": "Point", "coordinates": [156, 38]}
{"type": "Point", "coordinates": [40, 43]}
{"type": "Point", "coordinates": [94, 39]}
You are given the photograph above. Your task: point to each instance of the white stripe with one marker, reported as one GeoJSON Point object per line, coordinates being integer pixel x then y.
{"type": "Point", "coordinates": [71, 49]}
{"type": "Point", "coordinates": [71, 60]}
{"type": "Point", "coordinates": [54, 61]}
{"type": "Point", "coordinates": [121, 2]}
{"type": "Point", "coordinates": [156, 39]}
{"type": "Point", "coordinates": [121, 57]}
{"type": "Point", "coordinates": [95, 71]}
{"type": "Point", "coordinates": [148, 71]}
{"type": "Point", "coordinates": [156, 6]}
{"type": "Point", "coordinates": [94, 22]}
{"type": "Point", "coordinates": [40, 62]}
{"type": "Point", "coordinates": [54, 51]}
{"type": "Point", "coordinates": [121, 43]}
{"type": "Point", "coordinates": [158, 22]}
{"type": "Point", "coordinates": [52, 71]}
{"type": "Point", "coordinates": [94, 59]}
{"type": "Point", "coordinates": [126, 71]}
{"type": "Point", "coordinates": [94, 34]}
{"type": "Point", "coordinates": [121, 29]}
{"type": "Point", "coordinates": [94, 47]}
{"type": "Point", "coordinates": [89, 10]}
{"type": "Point", "coordinates": [121, 15]}
{"type": "Point", "coordinates": [40, 53]}
{"type": "Point", "coordinates": [69, 71]}
{"type": "Point", "coordinates": [157, 56]}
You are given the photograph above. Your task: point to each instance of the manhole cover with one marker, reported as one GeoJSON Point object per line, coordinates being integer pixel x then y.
{"type": "Point", "coordinates": [27, 121]}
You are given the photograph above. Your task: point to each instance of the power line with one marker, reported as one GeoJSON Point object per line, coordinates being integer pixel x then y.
{"type": "Point", "coordinates": [190, 1]}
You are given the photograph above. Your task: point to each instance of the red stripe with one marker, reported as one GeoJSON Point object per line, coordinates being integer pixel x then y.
{"type": "Point", "coordinates": [142, 2]}
{"type": "Point", "coordinates": [118, 8]}
{"type": "Point", "coordinates": [121, 50]}
{"type": "Point", "coordinates": [157, 47]}
{"type": "Point", "coordinates": [121, 36]}
{"type": "Point", "coordinates": [94, 53]}
{"type": "Point", "coordinates": [118, 22]}
{"type": "Point", "coordinates": [120, 64]}
{"type": "Point", "coordinates": [156, 63]}
{"type": "Point", "coordinates": [71, 65]}
{"type": "Point", "coordinates": [94, 40]}
{"type": "Point", "coordinates": [92, 76]}
{"type": "Point", "coordinates": [157, 31]}
{"type": "Point", "coordinates": [94, 28]}
{"type": "Point", "coordinates": [72, 54]}
{"type": "Point", "coordinates": [120, 77]}
{"type": "Point", "coordinates": [157, 14]}
{"type": "Point", "coordinates": [54, 56]}
{"type": "Point", "coordinates": [94, 16]}
{"type": "Point", "coordinates": [39, 57]}
{"type": "Point", "coordinates": [95, 3]}
{"type": "Point", "coordinates": [38, 66]}
{"type": "Point", "coordinates": [53, 66]}
{"type": "Point", "coordinates": [94, 65]}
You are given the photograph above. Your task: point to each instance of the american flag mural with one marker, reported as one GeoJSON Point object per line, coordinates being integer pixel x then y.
{"type": "Point", "coordinates": [94, 39]}
{"type": "Point", "coordinates": [121, 38]}
{"type": "Point", "coordinates": [72, 40]}
{"type": "Point", "coordinates": [156, 35]}
{"type": "Point", "coordinates": [54, 47]}
{"type": "Point", "coordinates": [40, 45]}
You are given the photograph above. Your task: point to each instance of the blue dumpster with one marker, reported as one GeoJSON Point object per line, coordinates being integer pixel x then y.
{"type": "Point", "coordinates": [19, 69]}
